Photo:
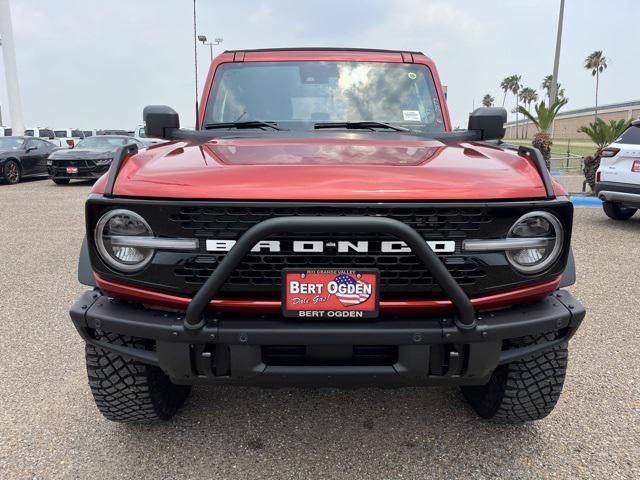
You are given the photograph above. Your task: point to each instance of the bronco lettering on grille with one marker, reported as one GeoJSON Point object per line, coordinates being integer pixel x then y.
{"type": "Point", "coordinates": [320, 246]}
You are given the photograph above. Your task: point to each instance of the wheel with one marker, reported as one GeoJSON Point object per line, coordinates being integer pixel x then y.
{"type": "Point", "coordinates": [524, 390]}
{"type": "Point", "coordinates": [11, 172]}
{"type": "Point", "coordinates": [129, 391]}
{"type": "Point", "coordinates": [617, 211]}
{"type": "Point", "coordinates": [61, 181]}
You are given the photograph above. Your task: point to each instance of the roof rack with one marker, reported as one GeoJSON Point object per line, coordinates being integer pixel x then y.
{"type": "Point", "coordinates": [328, 49]}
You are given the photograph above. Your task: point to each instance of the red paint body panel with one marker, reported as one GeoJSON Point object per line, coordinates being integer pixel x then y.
{"type": "Point", "coordinates": [354, 168]}
{"type": "Point", "coordinates": [328, 169]}
{"type": "Point", "coordinates": [484, 303]}
{"type": "Point", "coordinates": [322, 168]}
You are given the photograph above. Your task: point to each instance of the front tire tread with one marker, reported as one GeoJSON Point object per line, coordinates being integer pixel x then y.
{"type": "Point", "coordinates": [125, 390]}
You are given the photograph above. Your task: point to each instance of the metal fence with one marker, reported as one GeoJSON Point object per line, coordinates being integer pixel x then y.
{"type": "Point", "coordinates": [567, 164]}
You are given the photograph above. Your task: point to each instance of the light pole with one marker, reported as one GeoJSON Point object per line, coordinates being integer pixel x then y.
{"type": "Point", "coordinates": [553, 93]}
{"type": "Point", "coordinates": [216, 41]}
{"type": "Point", "coordinates": [195, 57]}
{"type": "Point", "coordinates": [11, 71]}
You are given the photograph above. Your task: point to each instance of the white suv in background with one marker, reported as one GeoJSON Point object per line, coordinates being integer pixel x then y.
{"type": "Point", "coordinates": [69, 137]}
{"type": "Point", "coordinates": [140, 134]}
{"type": "Point", "coordinates": [618, 178]}
{"type": "Point", "coordinates": [41, 132]}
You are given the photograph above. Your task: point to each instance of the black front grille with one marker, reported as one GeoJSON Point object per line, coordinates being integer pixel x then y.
{"type": "Point", "coordinates": [399, 273]}
{"type": "Point", "coordinates": [85, 168]}
{"type": "Point", "coordinates": [74, 163]}
{"type": "Point", "coordinates": [231, 222]}
{"type": "Point", "coordinates": [402, 275]}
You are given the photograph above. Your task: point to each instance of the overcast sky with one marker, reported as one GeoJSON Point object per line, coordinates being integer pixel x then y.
{"type": "Point", "coordinates": [96, 64]}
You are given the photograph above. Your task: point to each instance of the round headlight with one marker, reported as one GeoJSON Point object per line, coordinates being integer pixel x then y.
{"type": "Point", "coordinates": [122, 223]}
{"type": "Point", "coordinates": [548, 229]}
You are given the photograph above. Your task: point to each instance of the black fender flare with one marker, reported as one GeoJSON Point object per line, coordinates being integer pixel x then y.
{"type": "Point", "coordinates": [85, 273]}
{"type": "Point", "coordinates": [569, 275]}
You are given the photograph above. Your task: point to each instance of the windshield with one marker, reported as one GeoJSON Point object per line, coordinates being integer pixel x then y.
{"type": "Point", "coordinates": [103, 143]}
{"type": "Point", "coordinates": [8, 143]}
{"type": "Point", "coordinates": [630, 136]}
{"type": "Point", "coordinates": [317, 92]}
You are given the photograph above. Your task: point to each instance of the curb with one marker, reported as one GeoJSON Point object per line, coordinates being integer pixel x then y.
{"type": "Point", "coordinates": [593, 202]}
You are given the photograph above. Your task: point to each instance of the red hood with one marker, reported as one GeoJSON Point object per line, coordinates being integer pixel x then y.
{"type": "Point", "coordinates": [328, 169]}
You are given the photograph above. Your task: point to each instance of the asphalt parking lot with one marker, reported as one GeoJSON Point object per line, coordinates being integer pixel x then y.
{"type": "Point", "coordinates": [50, 428]}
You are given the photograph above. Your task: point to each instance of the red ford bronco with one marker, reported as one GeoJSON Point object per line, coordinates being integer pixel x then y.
{"type": "Point", "coordinates": [323, 225]}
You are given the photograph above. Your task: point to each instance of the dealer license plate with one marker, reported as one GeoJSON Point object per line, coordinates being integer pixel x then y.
{"type": "Point", "coordinates": [72, 169]}
{"type": "Point", "coordinates": [330, 294]}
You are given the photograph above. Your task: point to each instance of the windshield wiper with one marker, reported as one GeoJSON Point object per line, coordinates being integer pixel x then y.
{"type": "Point", "coordinates": [247, 124]}
{"type": "Point", "coordinates": [360, 125]}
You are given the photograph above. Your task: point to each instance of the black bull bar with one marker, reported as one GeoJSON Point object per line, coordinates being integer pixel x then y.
{"type": "Point", "coordinates": [466, 316]}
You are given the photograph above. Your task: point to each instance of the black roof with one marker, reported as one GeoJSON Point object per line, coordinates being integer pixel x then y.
{"type": "Point", "coordinates": [329, 49]}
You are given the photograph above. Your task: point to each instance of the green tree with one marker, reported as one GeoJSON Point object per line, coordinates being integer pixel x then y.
{"type": "Point", "coordinates": [597, 63]}
{"type": "Point", "coordinates": [487, 100]}
{"type": "Point", "coordinates": [546, 86]}
{"type": "Point", "coordinates": [602, 134]}
{"type": "Point", "coordinates": [515, 89]}
{"type": "Point", "coordinates": [561, 95]}
{"type": "Point", "coordinates": [505, 85]}
{"type": "Point", "coordinates": [528, 96]}
{"type": "Point", "coordinates": [543, 119]}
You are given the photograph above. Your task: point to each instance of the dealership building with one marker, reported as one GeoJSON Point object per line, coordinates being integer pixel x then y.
{"type": "Point", "coordinates": [568, 122]}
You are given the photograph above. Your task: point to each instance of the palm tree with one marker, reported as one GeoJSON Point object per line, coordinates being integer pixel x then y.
{"type": "Point", "coordinates": [602, 134]}
{"type": "Point", "coordinates": [597, 63]}
{"type": "Point", "coordinates": [546, 86]}
{"type": "Point", "coordinates": [487, 100]}
{"type": "Point", "coordinates": [528, 95]}
{"type": "Point", "coordinates": [561, 93]}
{"type": "Point", "coordinates": [505, 85]}
{"type": "Point", "coordinates": [515, 89]}
{"type": "Point", "coordinates": [543, 120]}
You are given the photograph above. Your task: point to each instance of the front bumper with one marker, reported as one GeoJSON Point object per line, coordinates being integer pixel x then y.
{"type": "Point", "coordinates": [84, 172]}
{"type": "Point", "coordinates": [626, 194]}
{"type": "Point", "coordinates": [239, 349]}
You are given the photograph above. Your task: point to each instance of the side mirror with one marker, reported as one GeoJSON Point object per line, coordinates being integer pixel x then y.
{"type": "Point", "coordinates": [160, 120]}
{"type": "Point", "coordinates": [30, 149]}
{"type": "Point", "coordinates": [489, 121]}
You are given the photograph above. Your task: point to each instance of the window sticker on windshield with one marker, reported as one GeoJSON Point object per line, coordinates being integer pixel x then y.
{"type": "Point", "coordinates": [411, 115]}
{"type": "Point", "coordinates": [412, 75]}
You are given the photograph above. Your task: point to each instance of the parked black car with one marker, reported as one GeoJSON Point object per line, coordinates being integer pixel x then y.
{"type": "Point", "coordinates": [88, 160]}
{"type": "Point", "coordinates": [22, 157]}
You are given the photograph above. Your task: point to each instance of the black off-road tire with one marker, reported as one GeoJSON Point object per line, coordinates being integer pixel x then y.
{"type": "Point", "coordinates": [524, 390]}
{"type": "Point", "coordinates": [617, 211]}
{"type": "Point", "coordinates": [11, 172]}
{"type": "Point", "coordinates": [128, 391]}
{"type": "Point", "coordinates": [61, 181]}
